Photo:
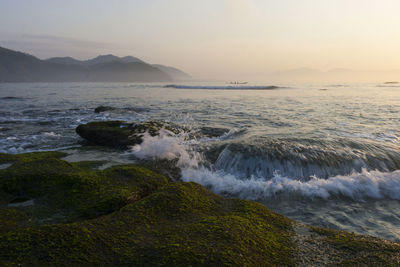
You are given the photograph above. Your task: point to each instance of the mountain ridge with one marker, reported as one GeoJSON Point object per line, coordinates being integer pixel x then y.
{"type": "Point", "coordinates": [18, 66]}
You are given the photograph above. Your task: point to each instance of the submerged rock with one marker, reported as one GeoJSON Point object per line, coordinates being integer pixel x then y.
{"type": "Point", "coordinates": [130, 216]}
{"type": "Point", "coordinates": [100, 109]}
{"type": "Point", "coordinates": [120, 134]}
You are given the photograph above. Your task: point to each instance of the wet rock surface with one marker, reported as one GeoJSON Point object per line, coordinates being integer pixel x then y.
{"type": "Point", "coordinates": [120, 134]}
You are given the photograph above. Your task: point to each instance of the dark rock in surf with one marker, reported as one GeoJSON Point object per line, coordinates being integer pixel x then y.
{"type": "Point", "coordinates": [100, 109]}
{"type": "Point", "coordinates": [120, 134]}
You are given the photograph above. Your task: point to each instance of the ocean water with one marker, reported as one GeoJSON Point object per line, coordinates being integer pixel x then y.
{"type": "Point", "coordinates": [323, 154]}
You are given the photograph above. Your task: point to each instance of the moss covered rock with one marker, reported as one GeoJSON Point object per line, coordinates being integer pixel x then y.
{"type": "Point", "coordinates": [120, 134]}
{"type": "Point", "coordinates": [63, 191]}
{"type": "Point", "coordinates": [182, 224]}
{"type": "Point", "coordinates": [130, 216]}
{"type": "Point", "coordinates": [356, 250]}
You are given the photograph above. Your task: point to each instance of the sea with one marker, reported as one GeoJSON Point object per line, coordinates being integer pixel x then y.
{"type": "Point", "coordinates": [324, 154]}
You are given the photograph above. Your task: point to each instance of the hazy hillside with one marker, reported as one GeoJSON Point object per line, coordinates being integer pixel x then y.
{"type": "Point", "coordinates": [64, 60]}
{"type": "Point", "coordinates": [173, 72]}
{"type": "Point", "coordinates": [119, 71]}
{"type": "Point", "coordinates": [21, 67]}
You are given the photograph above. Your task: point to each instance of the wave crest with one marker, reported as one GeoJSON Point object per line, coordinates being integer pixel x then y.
{"type": "Point", "coordinates": [357, 186]}
{"type": "Point", "coordinates": [178, 86]}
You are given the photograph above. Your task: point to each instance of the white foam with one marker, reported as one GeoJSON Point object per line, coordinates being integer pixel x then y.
{"type": "Point", "coordinates": [357, 186]}
{"type": "Point", "coordinates": [166, 145]}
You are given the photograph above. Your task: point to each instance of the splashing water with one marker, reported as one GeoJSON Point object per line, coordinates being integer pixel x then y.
{"type": "Point", "coordinates": [166, 145]}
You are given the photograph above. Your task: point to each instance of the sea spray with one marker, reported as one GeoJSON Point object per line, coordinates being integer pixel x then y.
{"type": "Point", "coordinates": [169, 146]}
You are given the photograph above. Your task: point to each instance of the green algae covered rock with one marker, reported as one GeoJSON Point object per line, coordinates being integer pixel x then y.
{"type": "Point", "coordinates": [184, 224]}
{"type": "Point", "coordinates": [130, 216]}
{"type": "Point", "coordinates": [120, 134]}
{"type": "Point", "coordinates": [63, 191]}
{"type": "Point", "coordinates": [359, 250]}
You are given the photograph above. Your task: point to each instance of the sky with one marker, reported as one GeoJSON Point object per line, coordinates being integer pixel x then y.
{"type": "Point", "coordinates": [214, 39]}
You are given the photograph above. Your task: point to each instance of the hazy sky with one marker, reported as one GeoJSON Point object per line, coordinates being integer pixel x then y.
{"type": "Point", "coordinates": [211, 38]}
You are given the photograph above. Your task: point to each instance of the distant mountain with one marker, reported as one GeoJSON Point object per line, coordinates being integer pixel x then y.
{"type": "Point", "coordinates": [102, 59]}
{"type": "Point", "coordinates": [64, 60]}
{"type": "Point", "coordinates": [336, 75]}
{"type": "Point", "coordinates": [21, 67]}
{"type": "Point", "coordinates": [116, 71]}
{"type": "Point", "coordinates": [111, 58]}
{"type": "Point", "coordinates": [298, 72]}
{"type": "Point", "coordinates": [173, 72]}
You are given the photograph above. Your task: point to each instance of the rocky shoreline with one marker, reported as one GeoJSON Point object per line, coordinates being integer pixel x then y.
{"type": "Point", "coordinates": [55, 212]}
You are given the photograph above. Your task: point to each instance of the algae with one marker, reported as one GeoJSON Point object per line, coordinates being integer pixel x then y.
{"type": "Point", "coordinates": [128, 215]}
{"type": "Point", "coordinates": [72, 190]}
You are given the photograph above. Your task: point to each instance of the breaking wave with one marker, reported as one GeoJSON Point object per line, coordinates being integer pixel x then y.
{"type": "Point", "coordinates": [357, 185]}
{"type": "Point", "coordinates": [230, 87]}
{"type": "Point", "coordinates": [301, 159]}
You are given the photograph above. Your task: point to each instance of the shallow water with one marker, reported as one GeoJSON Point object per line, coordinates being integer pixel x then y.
{"type": "Point", "coordinates": [328, 155]}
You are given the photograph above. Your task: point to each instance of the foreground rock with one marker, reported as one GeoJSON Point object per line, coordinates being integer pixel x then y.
{"type": "Point", "coordinates": [128, 215]}
{"type": "Point", "coordinates": [63, 192]}
{"type": "Point", "coordinates": [120, 134]}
